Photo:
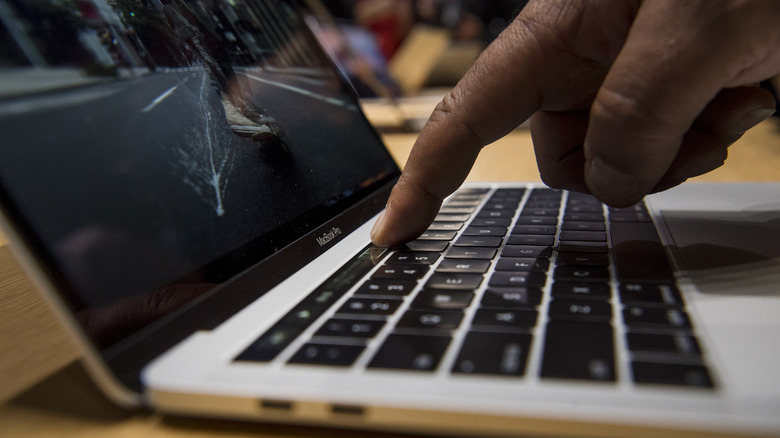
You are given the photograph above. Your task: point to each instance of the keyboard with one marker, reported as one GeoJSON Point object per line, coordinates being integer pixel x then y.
{"type": "Point", "coordinates": [506, 282]}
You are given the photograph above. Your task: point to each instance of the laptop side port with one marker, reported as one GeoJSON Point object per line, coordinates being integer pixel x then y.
{"type": "Point", "coordinates": [348, 410]}
{"type": "Point", "coordinates": [276, 405]}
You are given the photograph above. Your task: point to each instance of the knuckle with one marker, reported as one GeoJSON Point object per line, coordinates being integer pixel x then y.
{"type": "Point", "coordinates": [445, 109]}
{"type": "Point", "coordinates": [448, 112]}
{"type": "Point", "coordinates": [649, 127]}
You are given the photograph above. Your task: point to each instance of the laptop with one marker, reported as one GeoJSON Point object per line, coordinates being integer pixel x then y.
{"type": "Point", "coordinates": [191, 186]}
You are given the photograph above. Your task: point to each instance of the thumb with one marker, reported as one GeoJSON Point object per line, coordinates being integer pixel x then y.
{"type": "Point", "coordinates": [673, 63]}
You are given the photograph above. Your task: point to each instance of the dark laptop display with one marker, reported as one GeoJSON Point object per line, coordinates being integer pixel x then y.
{"type": "Point", "coordinates": [171, 145]}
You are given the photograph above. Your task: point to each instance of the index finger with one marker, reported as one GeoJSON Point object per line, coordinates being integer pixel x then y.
{"type": "Point", "coordinates": [498, 93]}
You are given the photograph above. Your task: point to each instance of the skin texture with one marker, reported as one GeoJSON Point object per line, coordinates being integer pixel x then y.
{"type": "Point", "coordinates": [625, 98]}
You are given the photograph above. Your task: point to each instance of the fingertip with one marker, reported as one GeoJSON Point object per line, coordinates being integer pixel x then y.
{"type": "Point", "coordinates": [613, 186]}
{"type": "Point", "coordinates": [391, 232]}
{"type": "Point", "coordinates": [408, 214]}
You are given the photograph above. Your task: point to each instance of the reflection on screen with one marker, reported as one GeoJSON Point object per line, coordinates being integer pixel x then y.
{"type": "Point", "coordinates": [146, 139]}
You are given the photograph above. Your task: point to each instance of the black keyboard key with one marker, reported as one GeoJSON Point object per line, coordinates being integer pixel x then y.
{"type": "Point", "coordinates": [452, 218]}
{"type": "Point", "coordinates": [623, 216]}
{"type": "Point", "coordinates": [495, 214]}
{"type": "Point", "coordinates": [518, 278]}
{"type": "Point", "coordinates": [635, 213]}
{"type": "Point", "coordinates": [583, 226]}
{"type": "Point", "coordinates": [462, 202]}
{"type": "Point", "coordinates": [411, 352]}
{"type": "Point", "coordinates": [526, 251]}
{"type": "Point", "coordinates": [579, 350]}
{"type": "Point", "coordinates": [449, 281]}
{"type": "Point", "coordinates": [584, 236]}
{"type": "Point", "coordinates": [583, 208]}
{"type": "Point", "coordinates": [536, 212]}
{"type": "Point", "coordinates": [446, 209]}
{"type": "Point", "coordinates": [387, 286]}
{"type": "Point", "coordinates": [517, 192]}
{"type": "Point", "coordinates": [445, 226]}
{"type": "Point", "coordinates": [583, 217]}
{"type": "Point", "coordinates": [430, 320]}
{"type": "Point", "coordinates": [581, 273]}
{"type": "Point", "coordinates": [466, 266]}
{"type": "Point", "coordinates": [270, 344]}
{"type": "Point", "coordinates": [546, 193]}
{"type": "Point", "coordinates": [437, 235]}
{"type": "Point", "coordinates": [582, 198]}
{"type": "Point", "coordinates": [639, 254]}
{"type": "Point", "coordinates": [479, 253]}
{"type": "Point", "coordinates": [371, 306]}
{"type": "Point", "coordinates": [522, 264]}
{"type": "Point", "coordinates": [644, 317]}
{"type": "Point", "coordinates": [545, 230]}
{"type": "Point", "coordinates": [327, 354]}
{"type": "Point", "coordinates": [511, 297]}
{"type": "Point", "coordinates": [470, 192]}
{"type": "Point", "coordinates": [512, 202]}
{"type": "Point", "coordinates": [543, 204]}
{"type": "Point", "coordinates": [536, 221]}
{"type": "Point", "coordinates": [649, 293]}
{"type": "Point", "coordinates": [671, 374]}
{"type": "Point", "coordinates": [413, 257]}
{"type": "Point", "coordinates": [529, 239]}
{"type": "Point", "coordinates": [502, 204]}
{"type": "Point", "coordinates": [401, 271]}
{"type": "Point", "coordinates": [582, 259]}
{"type": "Point", "coordinates": [485, 231]}
{"type": "Point", "coordinates": [484, 241]}
{"type": "Point", "coordinates": [578, 290]}
{"type": "Point", "coordinates": [592, 247]}
{"type": "Point", "coordinates": [491, 222]}
{"type": "Point", "coordinates": [350, 328]}
{"type": "Point", "coordinates": [427, 245]}
{"type": "Point", "coordinates": [585, 310]}
{"type": "Point", "coordinates": [676, 343]}
{"type": "Point", "coordinates": [443, 299]}
{"type": "Point", "coordinates": [513, 320]}
{"type": "Point", "coordinates": [504, 354]}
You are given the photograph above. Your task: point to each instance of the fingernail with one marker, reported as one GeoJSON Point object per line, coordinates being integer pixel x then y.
{"type": "Point", "coordinates": [752, 119]}
{"type": "Point", "coordinates": [613, 186]}
{"type": "Point", "coordinates": [376, 230]}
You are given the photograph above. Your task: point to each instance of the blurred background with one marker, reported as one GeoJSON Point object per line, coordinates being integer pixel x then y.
{"type": "Point", "coordinates": [413, 50]}
{"type": "Point", "coordinates": [401, 56]}
{"type": "Point", "coordinates": [444, 35]}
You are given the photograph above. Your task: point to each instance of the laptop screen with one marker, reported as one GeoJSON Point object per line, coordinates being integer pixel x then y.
{"type": "Point", "coordinates": [154, 143]}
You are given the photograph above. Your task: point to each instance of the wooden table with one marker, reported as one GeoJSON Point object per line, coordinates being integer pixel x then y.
{"type": "Point", "coordinates": [45, 393]}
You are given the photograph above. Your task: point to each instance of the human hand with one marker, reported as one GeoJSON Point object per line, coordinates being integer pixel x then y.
{"type": "Point", "coordinates": [627, 98]}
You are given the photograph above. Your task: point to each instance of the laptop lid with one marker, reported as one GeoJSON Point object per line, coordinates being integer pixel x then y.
{"type": "Point", "coordinates": [164, 163]}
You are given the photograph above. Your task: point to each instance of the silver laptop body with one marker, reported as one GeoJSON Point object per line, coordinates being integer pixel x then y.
{"type": "Point", "coordinates": [192, 190]}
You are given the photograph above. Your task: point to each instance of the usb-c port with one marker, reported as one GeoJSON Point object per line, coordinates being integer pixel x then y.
{"type": "Point", "coordinates": [278, 405]}
{"type": "Point", "coordinates": [348, 410]}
